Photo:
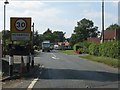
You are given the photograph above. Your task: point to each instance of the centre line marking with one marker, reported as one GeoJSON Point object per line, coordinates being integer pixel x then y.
{"type": "Point", "coordinates": [32, 84]}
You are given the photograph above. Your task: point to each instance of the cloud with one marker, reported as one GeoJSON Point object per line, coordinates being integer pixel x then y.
{"type": "Point", "coordinates": [49, 15]}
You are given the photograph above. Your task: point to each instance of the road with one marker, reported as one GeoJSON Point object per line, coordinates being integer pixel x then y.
{"type": "Point", "coordinates": [69, 71]}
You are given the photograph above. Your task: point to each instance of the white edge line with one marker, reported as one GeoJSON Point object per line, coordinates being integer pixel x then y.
{"type": "Point", "coordinates": [32, 84]}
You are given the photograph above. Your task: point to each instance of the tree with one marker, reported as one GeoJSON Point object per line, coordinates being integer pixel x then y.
{"type": "Point", "coordinates": [113, 27]}
{"type": "Point", "coordinates": [36, 40]}
{"type": "Point", "coordinates": [73, 39]}
{"type": "Point", "coordinates": [85, 29]}
{"type": "Point", "coordinates": [58, 36]}
{"type": "Point", "coordinates": [47, 35]}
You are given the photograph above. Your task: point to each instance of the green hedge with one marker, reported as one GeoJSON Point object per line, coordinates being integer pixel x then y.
{"type": "Point", "coordinates": [83, 47]}
{"type": "Point", "coordinates": [107, 49]}
{"type": "Point", "coordinates": [94, 49]}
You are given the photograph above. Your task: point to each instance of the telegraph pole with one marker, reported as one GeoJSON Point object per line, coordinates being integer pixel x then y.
{"type": "Point", "coordinates": [102, 21]}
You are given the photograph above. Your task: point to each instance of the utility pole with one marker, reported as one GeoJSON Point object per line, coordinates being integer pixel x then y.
{"type": "Point", "coordinates": [102, 21]}
{"type": "Point", "coordinates": [119, 13]}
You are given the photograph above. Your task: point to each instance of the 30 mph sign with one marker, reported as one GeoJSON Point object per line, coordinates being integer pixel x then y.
{"type": "Point", "coordinates": [20, 24]}
{"type": "Point", "coordinates": [20, 28]}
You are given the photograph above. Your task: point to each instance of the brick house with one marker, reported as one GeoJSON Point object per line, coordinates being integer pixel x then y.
{"type": "Point", "coordinates": [94, 40]}
{"type": "Point", "coordinates": [109, 35]}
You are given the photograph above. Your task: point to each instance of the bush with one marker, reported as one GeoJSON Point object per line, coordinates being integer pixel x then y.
{"type": "Point", "coordinates": [107, 49]}
{"type": "Point", "coordinates": [82, 46]}
{"type": "Point", "coordinates": [110, 49]}
{"type": "Point", "coordinates": [94, 49]}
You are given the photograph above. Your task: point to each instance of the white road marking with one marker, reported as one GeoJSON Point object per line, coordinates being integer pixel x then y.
{"type": "Point", "coordinates": [54, 56]}
{"type": "Point", "coordinates": [32, 84]}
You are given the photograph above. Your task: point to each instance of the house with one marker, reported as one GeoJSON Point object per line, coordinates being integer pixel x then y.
{"type": "Point", "coordinates": [111, 35]}
{"type": "Point", "coordinates": [64, 44]}
{"type": "Point", "coordinates": [94, 40]}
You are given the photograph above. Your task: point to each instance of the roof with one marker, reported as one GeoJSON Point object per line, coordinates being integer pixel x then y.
{"type": "Point", "coordinates": [109, 34]}
{"type": "Point", "coordinates": [66, 43]}
{"type": "Point", "coordinates": [94, 40]}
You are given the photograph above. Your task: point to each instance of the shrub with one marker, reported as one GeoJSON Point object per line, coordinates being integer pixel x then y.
{"type": "Point", "coordinates": [107, 49]}
{"type": "Point", "coordinates": [94, 49]}
{"type": "Point", "coordinates": [110, 49]}
{"type": "Point", "coordinates": [82, 46]}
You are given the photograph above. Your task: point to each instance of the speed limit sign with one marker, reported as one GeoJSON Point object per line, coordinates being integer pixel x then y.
{"type": "Point", "coordinates": [20, 28]}
{"type": "Point", "coordinates": [20, 24]}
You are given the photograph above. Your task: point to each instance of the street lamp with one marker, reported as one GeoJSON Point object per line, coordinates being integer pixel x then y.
{"type": "Point", "coordinates": [5, 3]}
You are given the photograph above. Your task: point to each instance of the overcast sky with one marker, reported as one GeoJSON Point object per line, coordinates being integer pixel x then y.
{"type": "Point", "coordinates": [59, 15]}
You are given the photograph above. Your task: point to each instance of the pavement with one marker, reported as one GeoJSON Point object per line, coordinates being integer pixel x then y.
{"type": "Point", "coordinates": [17, 69]}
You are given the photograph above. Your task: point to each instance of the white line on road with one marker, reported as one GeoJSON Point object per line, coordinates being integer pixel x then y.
{"type": "Point", "coordinates": [32, 84]}
{"type": "Point", "coordinates": [54, 56]}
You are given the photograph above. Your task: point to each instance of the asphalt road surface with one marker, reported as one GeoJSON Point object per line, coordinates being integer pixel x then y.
{"type": "Point", "coordinates": [69, 71]}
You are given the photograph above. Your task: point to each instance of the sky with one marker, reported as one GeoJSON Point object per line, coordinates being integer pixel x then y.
{"type": "Point", "coordinates": [59, 15]}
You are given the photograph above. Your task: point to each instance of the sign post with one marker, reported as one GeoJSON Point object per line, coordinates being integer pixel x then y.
{"type": "Point", "coordinates": [20, 28]}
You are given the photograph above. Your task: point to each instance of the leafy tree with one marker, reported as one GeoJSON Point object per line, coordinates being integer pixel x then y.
{"type": "Point", "coordinates": [6, 34]}
{"type": "Point", "coordinates": [73, 39]}
{"type": "Point", "coordinates": [36, 38]}
{"type": "Point", "coordinates": [84, 29]}
{"type": "Point", "coordinates": [113, 27]}
{"type": "Point", "coordinates": [58, 36]}
{"type": "Point", "coordinates": [47, 35]}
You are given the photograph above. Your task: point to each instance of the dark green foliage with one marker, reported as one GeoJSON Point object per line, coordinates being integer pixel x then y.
{"type": "Point", "coordinates": [113, 27]}
{"type": "Point", "coordinates": [110, 49]}
{"type": "Point", "coordinates": [83, 46]}
{"type": "Point", "coordinates": [85, 28]}
{"type": "Point", "coordinates": [107, 49]}
{"type": "Point", "coordinates": [94, 49]}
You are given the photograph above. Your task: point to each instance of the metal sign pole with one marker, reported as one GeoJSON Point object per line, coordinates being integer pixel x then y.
{"type": "Point", "coordinates": [32, 51]}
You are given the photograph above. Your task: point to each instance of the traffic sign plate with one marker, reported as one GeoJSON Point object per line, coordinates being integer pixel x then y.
{"type": "Point", "coordinates": [20, 36]}
{"type": "Point", "coordinates": [20, 24]}
{"type": "Point", "coordinates": [20, 28]}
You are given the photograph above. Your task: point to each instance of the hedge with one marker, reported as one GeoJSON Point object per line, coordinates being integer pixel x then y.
{"type": "Point", "coordinates": [94, 49]}
{"type": "Point", "coordinates": [83, 47]}
{"type": "Point", "coordinates": [107, 49]}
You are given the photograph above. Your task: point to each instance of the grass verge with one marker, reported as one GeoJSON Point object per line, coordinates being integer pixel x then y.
{"type": "Point", "coordinates": [69, 52]}
{"type": "Point", "coordinates": [106, 60]}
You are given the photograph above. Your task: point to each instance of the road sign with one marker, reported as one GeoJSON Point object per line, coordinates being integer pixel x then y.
{"type": "Point", "coordinates": [20, 24]}
{"type": "Point", "coordinates": [20, 28]}
{"type": "Point", "coordinates": [20, 36]}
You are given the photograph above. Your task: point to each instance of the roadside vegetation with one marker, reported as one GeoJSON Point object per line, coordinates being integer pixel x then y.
{"type": "Point", "coordinates": [107, 53]}
{"type": "Point", "coordinates": [106, 60]}
{"type": "Point", "coordinates": [69, 52]}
